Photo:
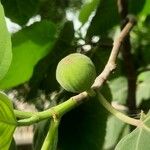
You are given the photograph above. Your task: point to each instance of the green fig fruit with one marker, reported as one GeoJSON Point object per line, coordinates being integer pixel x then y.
{"type": "Point", "coordinates": [76, 73]}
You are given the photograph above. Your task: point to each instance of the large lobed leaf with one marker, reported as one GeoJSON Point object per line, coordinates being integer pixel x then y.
{"type": "Point", "coordinates": [29, 46]}
{"type": "Point", "coordinates": [137, 139]}
{"type": "Point", "coordinates": [5, 45]}
{"type": "Point", "coordinates": [8, 122]}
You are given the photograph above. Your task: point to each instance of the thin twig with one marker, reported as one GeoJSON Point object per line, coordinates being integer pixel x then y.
{"type": "Point", "coordinates": [111, 64]}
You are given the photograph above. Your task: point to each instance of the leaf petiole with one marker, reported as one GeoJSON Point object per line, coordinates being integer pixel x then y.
{"type": "Point", "coordinates": [118, 114]}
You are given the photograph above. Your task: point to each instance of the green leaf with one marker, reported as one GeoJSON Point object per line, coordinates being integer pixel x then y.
{"type": "Point", "coordinates": [118, 88]}
{"type": "Point", "coordinates": [105, 18]}
{"type": "Point", "coordinates": [87, 9]}
{"type": "Point", "coordinates": [5, 45]}
{"type": "Point", "coordinates": [140, 7]}
{"type": "Point", "coordinates": [146, 8]}
{"type": "Point", "coordinates": [115, 130]}
{"type": "Point", "coordinates": [140, 38]}
{"type": "Point", "coordinates": [143, 87]}
{"type": "Point", "coordinates": [8, 122]}
{"type": "Point", "coordinates": [136, 7]}
{"type": "Point", "coordinates": [20, 11]}
{"type": "Point", "coordinates": [143, 76]}
{"type": "Point", "coordinates": [137, 139]}
{"type": "Point", "coordinates": [83, 128]}
{"type": "Point", "coordinates": [100, 58]}
{"type": "Point", "coordinates": [29, 46]}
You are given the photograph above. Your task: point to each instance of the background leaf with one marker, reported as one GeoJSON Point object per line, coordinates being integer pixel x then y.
{"type": "Point", "coordinates": [29, 46]}
{"type": "Point", "coordinates": [136, 7]}
{"type": "Point", "coordinates": [5, 45]}
{"type": "Point", "coordinates": [146, 8]}
{"type": "Point", "coordinates": [20, 11]}
{"type": "Point", "coordinates": [115, 130]}
{"type": "Point", "coordinates": [8, 122]}
{"type": "Point", "coordinates": [87, 9]}
{"type": "Point", "coordinates": [143, 88]}
{"type": "Point", "coordinates": [140, 7]}
{"type": "Point", "coordinates": [44, 72]}
{"type": "Point", "coordinates": [100, 57]}
{"type": "Point", "coordinates": [102, 21]}
{"type": "Point", "coordinates": [118, 88]}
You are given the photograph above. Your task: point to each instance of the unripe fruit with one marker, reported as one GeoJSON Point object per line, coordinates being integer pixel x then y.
{"type": "Point", "coordinates": [76, 73]}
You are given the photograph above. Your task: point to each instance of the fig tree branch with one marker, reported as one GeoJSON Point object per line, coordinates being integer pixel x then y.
{"type": "Point", "coordinates": [66, 106]}
{"type": "Point", "coordinates": [57, 111]}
